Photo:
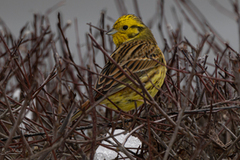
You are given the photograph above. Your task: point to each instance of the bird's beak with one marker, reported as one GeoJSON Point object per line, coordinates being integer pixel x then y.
{"type": "Point", "coordinates": [111, 31]}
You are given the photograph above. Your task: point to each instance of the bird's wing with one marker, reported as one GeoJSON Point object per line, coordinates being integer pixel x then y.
{"type": "Point", "coordinates": [134, 58]}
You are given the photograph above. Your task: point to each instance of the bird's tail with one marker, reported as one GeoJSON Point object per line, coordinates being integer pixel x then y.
{"type": "Point", "coordinates": [78, 113]}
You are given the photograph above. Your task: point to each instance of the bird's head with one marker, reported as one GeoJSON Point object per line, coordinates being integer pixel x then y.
{"type": "Point", "coordinates": [127, 28]}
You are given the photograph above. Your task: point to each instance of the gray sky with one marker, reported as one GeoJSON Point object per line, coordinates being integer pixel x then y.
{"type": "Point", "coordinates": [16, 13]}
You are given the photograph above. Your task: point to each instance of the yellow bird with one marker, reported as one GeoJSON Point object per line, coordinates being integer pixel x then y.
{"type": "Point", "coordinates": [138, 54]}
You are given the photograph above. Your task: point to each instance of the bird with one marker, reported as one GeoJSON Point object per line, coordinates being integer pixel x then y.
{"type": "Point", "coordinates": [138, 54]}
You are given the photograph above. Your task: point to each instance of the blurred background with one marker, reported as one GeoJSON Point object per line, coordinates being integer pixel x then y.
{"type": "Point", "coordinates": [53, 84]}
{"type": "Point", "coordinates": [17, 13]}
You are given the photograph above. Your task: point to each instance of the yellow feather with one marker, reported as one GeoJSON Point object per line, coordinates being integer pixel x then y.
{"type": "Point", "coordinates": [137, 51]}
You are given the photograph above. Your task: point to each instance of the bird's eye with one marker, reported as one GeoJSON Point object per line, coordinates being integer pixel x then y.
{"type": "Point", "coordinates": [125, 27]}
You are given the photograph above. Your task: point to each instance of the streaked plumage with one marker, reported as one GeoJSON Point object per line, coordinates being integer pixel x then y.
{"type": "Point", "coordinates": [137, 52]}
